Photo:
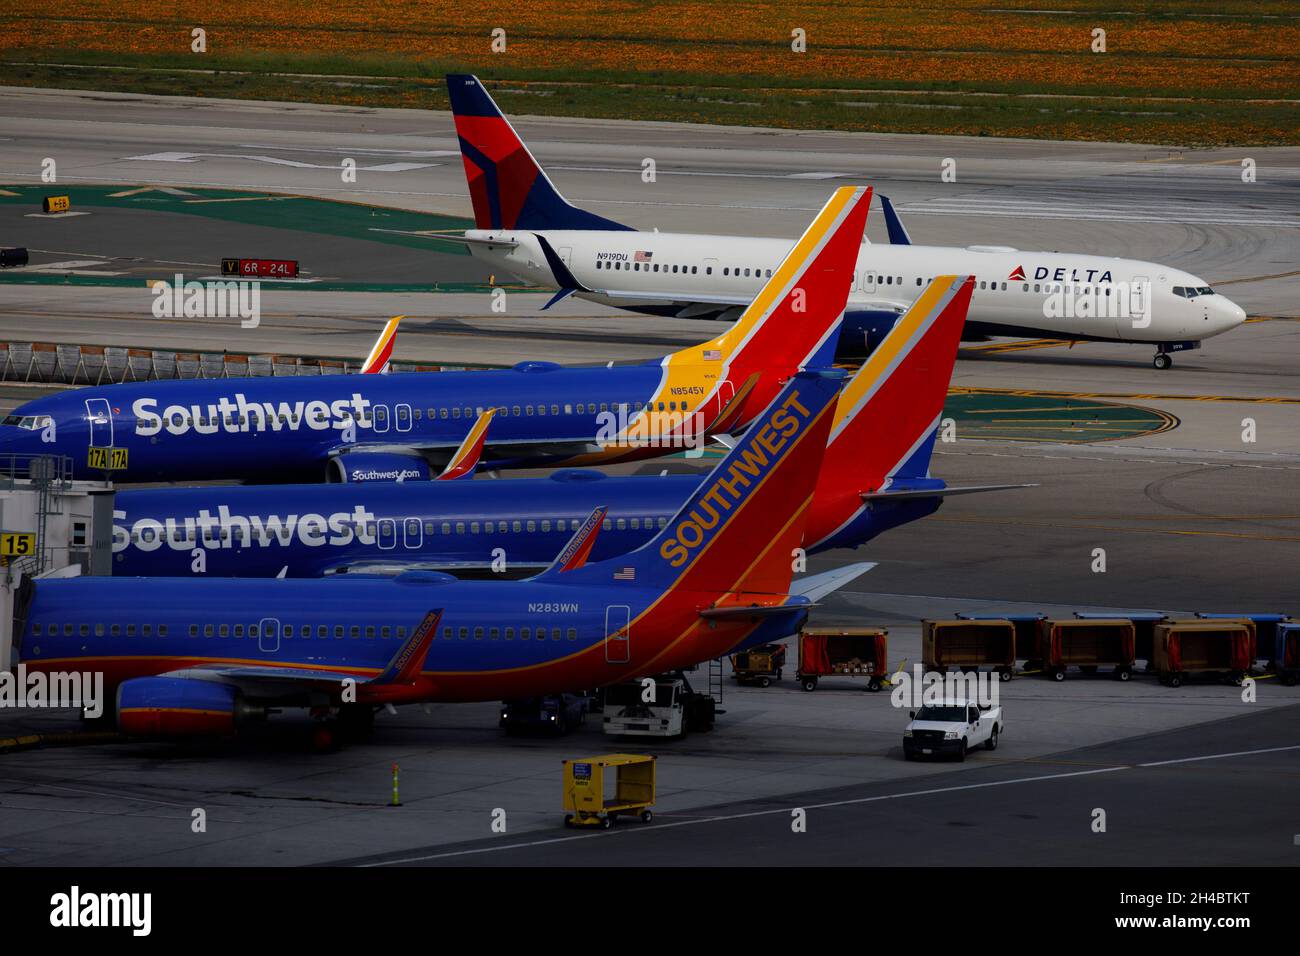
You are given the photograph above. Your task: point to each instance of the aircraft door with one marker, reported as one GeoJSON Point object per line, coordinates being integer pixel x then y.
{"type": "Point", "coordinates": [618, 637]}
{"type": "Point", "coordinates": [412, 533]}
{"type": "Point", "coordinates": [1139, 305]}
{"type": "Point", "coordinates": [379, 418]}
{"type": "Point", "coordinates": [402, 416]}
{"type": "Point", "coordinates": [868, 280]}
{"type": "Point", "coordinates": [100, 416]}
{"type": "Point", "coordinates": [387, 534]}
{"type": "Point", "coordinates": [268, 635]}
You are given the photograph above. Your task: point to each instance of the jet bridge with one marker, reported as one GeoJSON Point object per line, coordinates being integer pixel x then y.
{"type": "Point", "coordinates": [49, 525]}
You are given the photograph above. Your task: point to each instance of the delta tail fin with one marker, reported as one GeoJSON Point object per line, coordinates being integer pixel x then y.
{"type": "Point", "coordinates": [507, 186]}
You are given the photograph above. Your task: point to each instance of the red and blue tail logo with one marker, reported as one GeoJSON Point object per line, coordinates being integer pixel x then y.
{"type": "Point", "coordinates": [508, 188]}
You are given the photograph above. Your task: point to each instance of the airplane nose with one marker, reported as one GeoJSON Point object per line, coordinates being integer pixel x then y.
{"type": "Point", "coordinates": [1228, 315]}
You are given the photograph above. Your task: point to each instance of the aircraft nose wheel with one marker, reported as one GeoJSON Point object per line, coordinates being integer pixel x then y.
{"type": "Point", "coordinates": [1162, 361]}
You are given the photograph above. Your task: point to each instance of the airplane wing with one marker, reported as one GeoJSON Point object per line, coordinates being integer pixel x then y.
{"type": "Point", "coordinates": [453, 237]}
{"type": "Point", "coordinates": [731, 612]}
{"type": "Point", "coordinates": [817, 586]}
{"type": "Point", "coordinates": [904, 493]}
{"type": "Point", "coordinates": [402, 670]}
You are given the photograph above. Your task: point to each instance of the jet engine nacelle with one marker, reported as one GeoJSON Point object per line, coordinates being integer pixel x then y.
{"type": "Point", "coordinates": [365, 466]}
{"type": "Point", "coordinates": [176, 707]}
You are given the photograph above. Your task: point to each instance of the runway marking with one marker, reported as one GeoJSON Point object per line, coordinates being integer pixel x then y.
{"type": "Point", "coordinates": [1278, 275]}
{"type": "Point", "coordinates": [1017, 346]}
{"type": "Point", "coordinates": [857, 801]}
{"type": "Point", "coordinates": [189, 202]}
{"type": "Point", "coordinates": [723, 818]}
{"type": "Point", "coordinates": [1021, 522]}
{"type": "Point", "coordinates": [169, 190]}
{"type": "Point", "coordinates": [1148, 396]}
{"type": "Point", "coordinates": [1235, 753]}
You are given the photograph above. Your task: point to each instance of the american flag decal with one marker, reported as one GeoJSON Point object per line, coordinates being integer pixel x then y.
{"type": "Point", "coordinates": [712, 355]}
{"type": "Point", "coordinates": [642, 256]}
{"type": "Point", "coordinates": [625, 574]}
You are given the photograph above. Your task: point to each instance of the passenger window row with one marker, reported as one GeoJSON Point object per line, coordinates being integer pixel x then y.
{"type": "Point", "coordinates": [508, 633]}
{"type": "Point", "coordinates": [517, 526]}
{"type": "Point", "coordinates": [303, 631]}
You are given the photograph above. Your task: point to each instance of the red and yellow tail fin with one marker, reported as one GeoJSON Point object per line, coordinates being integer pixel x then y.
{"type": "Point", "coordinates": [376, 362]}
{"type": "Point", "coordinates": [889, 410]}
{"type": "Point", "coordinates": [465, 461]}
{"type": "Point", "coordinates": [737, 530]}
{"type": "Point", "coordinates": [793, 322]}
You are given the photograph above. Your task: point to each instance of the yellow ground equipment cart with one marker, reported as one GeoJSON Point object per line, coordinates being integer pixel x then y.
{"type": "Point", "coordinates": [759, 665]}
{"type": "Point", "coordinates": [597, 790]}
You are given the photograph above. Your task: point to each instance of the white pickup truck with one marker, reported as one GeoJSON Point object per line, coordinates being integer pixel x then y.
{"type": "Point", "coordinates": [953, 728]}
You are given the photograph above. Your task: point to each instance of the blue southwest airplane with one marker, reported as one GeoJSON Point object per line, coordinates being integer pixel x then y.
{"type": "Point", "coordinates": [384, 427]}
{"type": "Point", "coordinates": [191, 656]}
{"type": "Point", "coordinates": [875, 476]}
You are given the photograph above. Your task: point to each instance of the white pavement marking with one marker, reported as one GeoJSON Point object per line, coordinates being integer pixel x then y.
{"type": "Point", "coordinates": [1236, 753]}
{"type": "Point", "coordinates": [1180, 212]}
{"type": "Point", "coordinates": [178, 157]}
{"type": "Point", "coordinates": [725, 818]}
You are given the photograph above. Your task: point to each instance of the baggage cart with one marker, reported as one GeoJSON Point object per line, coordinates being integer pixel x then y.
{"type": "Point", "coordinates": [1088, 645]}
{"type": "Point", "coordinates": [1287, 663]}
{"type": "Point", "coordinates": [598, 790]}
{"type": "Point", "coordinates": [1026, 635]}
{"type": "Point", "coordinates": [843, 652]}
{"type": "Point", "coordinates": [759, 665]}
{"type": "Point", "coordinates": [969, 646]}
{"type": "Point", "coordinates": [1265, 627]}
{"type": "Point", "coordinates": [1144, 629]}
{"type": "Point", "coordinates": [1186, 648]}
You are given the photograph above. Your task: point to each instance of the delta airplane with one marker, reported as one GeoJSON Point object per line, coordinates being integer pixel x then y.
{"type": "Point", "coordinates": [875, 476]}
{"type": "Point", "coordinates": [187, 656]}
{"type": "Point", "coordinates": [525, 227]}
{"type": "Point", "coordinates": [401, 427]}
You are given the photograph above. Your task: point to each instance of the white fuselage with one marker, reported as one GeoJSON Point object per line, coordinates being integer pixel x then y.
{"type": "Point", "coordinates": [1061, 295]}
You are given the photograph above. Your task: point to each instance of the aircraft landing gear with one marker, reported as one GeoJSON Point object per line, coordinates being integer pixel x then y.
{"type": "Point", "coordinates": [1162, 361]}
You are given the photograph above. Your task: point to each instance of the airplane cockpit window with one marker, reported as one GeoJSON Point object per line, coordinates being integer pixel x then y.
{"type": "Point", "coordinates": [28, 422]}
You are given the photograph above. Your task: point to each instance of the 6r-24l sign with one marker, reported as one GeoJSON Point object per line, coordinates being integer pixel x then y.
{"type": "Point", "coordinates": [260, 268]}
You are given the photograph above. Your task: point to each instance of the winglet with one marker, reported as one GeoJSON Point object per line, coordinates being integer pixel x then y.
{"type": "Point", "coordinates": [465, 461]}
{"type": "Point", "coordinates": [897, 231]}
{"type": "Point", "coordinates": [376, 362]}
{"type": "Point", "coordinates": [405, 666]}
{"type": "Point", "coordinates": [729, 414]}
{"type": "Point", "coordinates": [575, 554]}
{"type": "Point", "coordinates": [565, 279]}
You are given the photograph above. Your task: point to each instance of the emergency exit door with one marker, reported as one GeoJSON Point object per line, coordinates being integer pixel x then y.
{"type": "Point", "coordinates": [618, 638]}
